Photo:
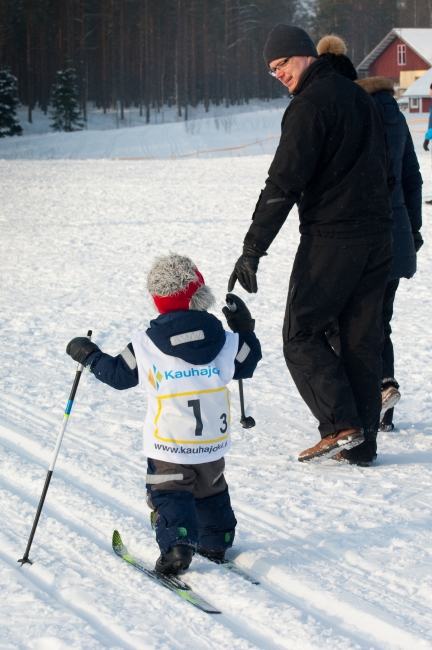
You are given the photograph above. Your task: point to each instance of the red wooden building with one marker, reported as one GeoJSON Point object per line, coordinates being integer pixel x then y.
{"type": "Point", "coordinates": [418, 94]}
{"type": "Point", "coordinates": [404, 55]}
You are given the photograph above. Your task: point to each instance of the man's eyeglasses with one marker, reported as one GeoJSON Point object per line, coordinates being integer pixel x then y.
{"type": "Point", "coordinates": [280, 66]}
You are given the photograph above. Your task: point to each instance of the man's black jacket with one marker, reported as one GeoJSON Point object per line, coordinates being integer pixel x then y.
{"type": "Point", "coordinates": [332, 160]}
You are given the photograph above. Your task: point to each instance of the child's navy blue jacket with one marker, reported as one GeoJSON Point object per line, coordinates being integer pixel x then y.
{"type": "Point", "coordinates": [121, 371]}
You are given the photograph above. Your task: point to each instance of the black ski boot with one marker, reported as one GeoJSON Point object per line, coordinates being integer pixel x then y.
{"type": "Point", "coordinates": [177, 559]}
{"type": "Point", "coordinates": [214, 556]}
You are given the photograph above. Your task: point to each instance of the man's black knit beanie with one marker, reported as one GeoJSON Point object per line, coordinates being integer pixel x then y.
{"type": "Point", "coordinates": [288, 40]}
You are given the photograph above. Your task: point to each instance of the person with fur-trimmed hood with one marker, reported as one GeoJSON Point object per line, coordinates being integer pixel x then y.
{"type": "Point", "coordinates": [406, 206]}
{"type": "Point", "coordinates": [184, 361]}
{"type": "Point", "coordinates": [428, 134]}
{"type": "Point", "coordinates": [332, 162]}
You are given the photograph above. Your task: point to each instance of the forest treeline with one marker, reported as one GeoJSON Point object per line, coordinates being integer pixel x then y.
{"type": "Point", "coordinates": [148, 53]}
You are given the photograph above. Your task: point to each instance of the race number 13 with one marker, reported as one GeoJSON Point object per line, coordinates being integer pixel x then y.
{"type": "Point", "coordinates": [196, 406]}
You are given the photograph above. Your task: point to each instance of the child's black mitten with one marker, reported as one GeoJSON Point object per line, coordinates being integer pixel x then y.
{"type": "Point", "coordinates": [80, 347]}
{"type": "Point", "coordinates": [238, 316]}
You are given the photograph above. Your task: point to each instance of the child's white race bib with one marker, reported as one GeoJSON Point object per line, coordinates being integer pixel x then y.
{"type": "Point", "coordinates": [188, 416]}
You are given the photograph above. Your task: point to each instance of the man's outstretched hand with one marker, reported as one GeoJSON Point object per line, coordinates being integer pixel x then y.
{"type": "Point", "coordinates": [245, 271]}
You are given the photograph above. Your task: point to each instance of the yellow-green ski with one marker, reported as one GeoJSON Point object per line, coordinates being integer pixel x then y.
{"type": "Point", "coordinates": [173, 583]}
{"type": "Point", "coordinates": [230, 566]}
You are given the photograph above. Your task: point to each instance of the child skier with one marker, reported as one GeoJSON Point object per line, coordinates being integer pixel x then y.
{"type": "Point", "coordinates": [184, 362]}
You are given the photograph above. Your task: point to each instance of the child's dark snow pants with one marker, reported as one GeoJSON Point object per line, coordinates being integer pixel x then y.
{"type": "Point", "coordinates": [191, 505]}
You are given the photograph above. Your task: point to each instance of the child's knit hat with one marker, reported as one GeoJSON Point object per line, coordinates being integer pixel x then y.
{"type": "Point", "coordinates": [175, 283]}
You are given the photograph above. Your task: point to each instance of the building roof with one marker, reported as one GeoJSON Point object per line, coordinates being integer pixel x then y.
{"type": "Point", "coordinates": [421, 86]}
{"type": "Point", "coordinates": [419, 40]}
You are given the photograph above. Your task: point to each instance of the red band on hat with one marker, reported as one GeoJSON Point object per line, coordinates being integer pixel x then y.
{"type": "Point", "coordinates": [180, 300]}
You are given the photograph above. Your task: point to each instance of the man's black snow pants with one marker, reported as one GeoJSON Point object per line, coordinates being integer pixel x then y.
{"type": "Point", "coordinates": [341, 280]}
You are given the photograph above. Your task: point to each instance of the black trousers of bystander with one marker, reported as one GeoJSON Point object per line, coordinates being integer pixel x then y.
{"type": "Point", "coordinates": [387, 314]}
{"type": "Point", "coordinates": [387, 370]}
{"type": "Point", "coordinates": [341, 280]}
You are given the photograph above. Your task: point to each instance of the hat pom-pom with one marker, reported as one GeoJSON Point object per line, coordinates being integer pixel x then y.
{"type": "Point", "coordinates": [331, 44]}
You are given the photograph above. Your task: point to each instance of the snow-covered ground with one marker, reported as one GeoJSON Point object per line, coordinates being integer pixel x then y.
{"type": "Point", "coordinates": [344, 554]}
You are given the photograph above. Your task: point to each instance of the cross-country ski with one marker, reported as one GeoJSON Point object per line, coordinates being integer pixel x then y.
{"type": "Point", "coordinates": [229, 565]}
{"type": "Point", "coordinates": [173, 583]}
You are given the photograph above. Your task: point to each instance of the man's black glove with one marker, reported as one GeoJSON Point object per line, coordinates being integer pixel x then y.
{"type": "Point", "coordinates": [418, 240]}
{"type": "Point", "coordinates": [80, 348]}
{"type": "Point", "coordinates": [426, 145]}
{"type": "Point", "coordinates": [245, 270]}
{"type": "Point", "coordinates": [238, 316]}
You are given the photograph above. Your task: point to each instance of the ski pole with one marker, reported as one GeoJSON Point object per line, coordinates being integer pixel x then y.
{"type": "Point", "coordinates": [80, 368]}
{"type": "Point", "coordinates": [247, 422]}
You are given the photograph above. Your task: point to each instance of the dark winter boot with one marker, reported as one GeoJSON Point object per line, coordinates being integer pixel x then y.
{"type": "Point", "coordinates": [359, 463]}
{"type": "Point", "coordinates": [362, 455]}
{"type": "Point", "coordinates": [386, 423]}
{"type": "Point", "coordinates": [177, 559]}
{"type": "Point", "coordinates": [214, 556]}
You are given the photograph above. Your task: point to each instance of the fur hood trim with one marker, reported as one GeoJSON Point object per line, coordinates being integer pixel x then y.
{"type": "Point", "coordinates": [331, 44]}
{"type": "Point", "coordinates": [375, 84]}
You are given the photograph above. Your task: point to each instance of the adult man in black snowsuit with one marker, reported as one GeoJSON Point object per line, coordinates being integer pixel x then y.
{"type": "Point", "coordinates": [332, 161]}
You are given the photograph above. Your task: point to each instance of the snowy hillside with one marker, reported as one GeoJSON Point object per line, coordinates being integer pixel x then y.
{"type": "Point", "coordinates": [240, 130]}
{"type": "Point", "coordinates": [344, 554]}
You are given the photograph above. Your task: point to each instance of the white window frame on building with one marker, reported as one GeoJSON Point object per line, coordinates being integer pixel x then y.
{"type": "Point", "coordinates": [401, 54]}
{"type": "Point", "coordinates": [414, 102]}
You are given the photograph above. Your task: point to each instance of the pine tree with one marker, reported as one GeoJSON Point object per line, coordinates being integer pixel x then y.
{"type": "Point", "coordinates": [8, 103]}
{"type": "Point", "coordinates": [64, 99]}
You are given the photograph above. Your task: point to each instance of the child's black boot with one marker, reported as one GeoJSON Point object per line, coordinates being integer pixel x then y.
{"type": "Point", "coordinates": [177, 559]}
{"type": "Point", "coordinates": [214, 556]}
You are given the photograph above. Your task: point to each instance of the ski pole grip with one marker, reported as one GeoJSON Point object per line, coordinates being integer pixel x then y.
{"type": "Point", "coordinates": [80, 367]}
{"type": "Point", "coordinates": [232, 306]}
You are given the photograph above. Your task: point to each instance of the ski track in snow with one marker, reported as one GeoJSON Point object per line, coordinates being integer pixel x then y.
{"type": "Point", "coordinates": [344, 554]}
